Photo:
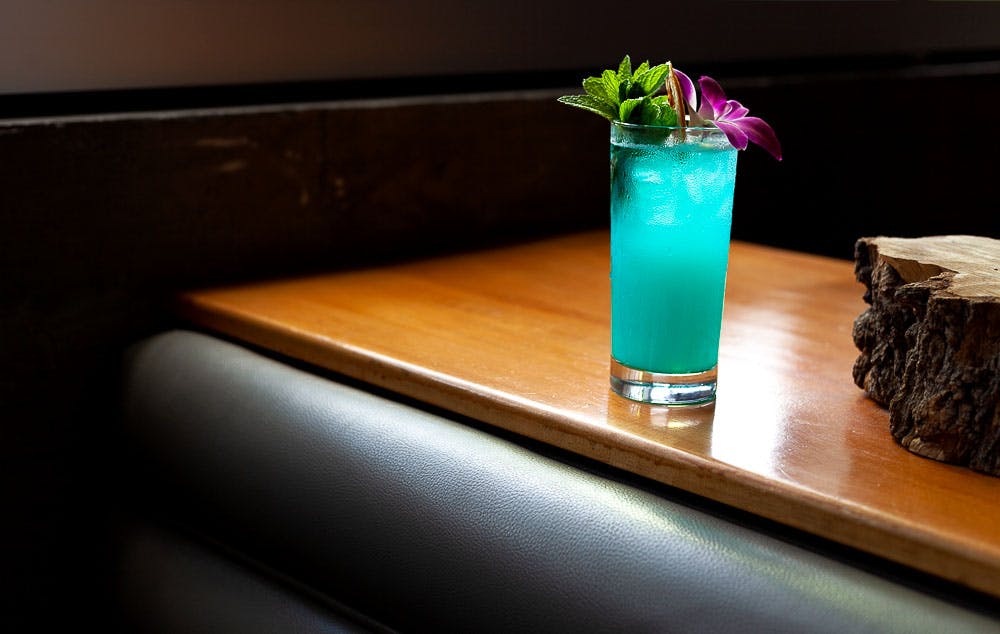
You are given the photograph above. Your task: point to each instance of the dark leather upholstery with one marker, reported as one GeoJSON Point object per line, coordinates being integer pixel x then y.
{"type": "Point", "coordinates": [424, 523]}
{"type": "Point", "coordinates": [171, 583]}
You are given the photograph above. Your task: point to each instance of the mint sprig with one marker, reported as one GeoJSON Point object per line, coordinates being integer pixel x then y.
{"type": "Point", "coordinates": [628, 96]}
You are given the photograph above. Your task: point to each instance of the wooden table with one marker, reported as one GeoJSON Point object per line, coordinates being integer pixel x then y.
{"type": "Point", "coordinates": [518, 337]}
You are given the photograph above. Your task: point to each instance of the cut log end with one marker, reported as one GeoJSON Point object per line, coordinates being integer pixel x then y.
{"type": "Point", "coordinates": [930, 343]}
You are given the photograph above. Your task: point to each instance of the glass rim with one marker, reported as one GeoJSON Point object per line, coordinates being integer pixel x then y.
{"type": "Point", "coordinates": [643, 126]}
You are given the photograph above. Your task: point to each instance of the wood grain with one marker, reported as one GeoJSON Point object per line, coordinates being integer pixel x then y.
{"type": "Point", "coordinates": [930, 343]}
{"type": "Point", "coordinates": [519, 337]}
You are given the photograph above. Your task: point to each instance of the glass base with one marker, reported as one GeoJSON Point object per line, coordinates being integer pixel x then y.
{"type": "Point", "coordinates": [657, 388]}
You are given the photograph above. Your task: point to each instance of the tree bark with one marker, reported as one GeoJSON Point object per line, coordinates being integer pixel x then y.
{"type": "Point", "coordinates": [930, 343]}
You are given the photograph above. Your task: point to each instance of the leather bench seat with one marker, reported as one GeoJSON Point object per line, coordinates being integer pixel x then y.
{"type": "Point", "coordinates": [268, 489]}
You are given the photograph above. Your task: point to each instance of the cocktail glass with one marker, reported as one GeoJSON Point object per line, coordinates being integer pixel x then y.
{"type": "Point", "coordinates": [671, 214]}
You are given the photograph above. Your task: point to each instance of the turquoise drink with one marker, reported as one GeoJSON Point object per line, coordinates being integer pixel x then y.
{"type": "Point", "coordinates": [671, 213]}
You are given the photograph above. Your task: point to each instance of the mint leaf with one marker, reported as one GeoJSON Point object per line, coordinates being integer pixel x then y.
{"type": "Point", "coordinates": [653, 79]}
{"type": "Point", "coordinates": [596, 88]}
{"type": "Point", "coordinates": [587, 102]}
{"type": "Point", "coordinates": [625, 69]}
{"type": "Point", "coordinates": [659, 112]}
{"type": "Point", "coordinates": [638, 78]}
{"type": "Point", "coordinates": [650, 115]}
{"type": "Point", "coordinates": [611, 85]}
{"type": "Point", "coordinates": [628, 107]}
{"type": "Point", "coordinates": [628, 96]}
{"type": "Point", "coordinates": [625, 90]}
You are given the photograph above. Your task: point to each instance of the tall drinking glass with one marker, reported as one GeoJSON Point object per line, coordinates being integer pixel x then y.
{"type": "Point", "coordinates": [671, 213]}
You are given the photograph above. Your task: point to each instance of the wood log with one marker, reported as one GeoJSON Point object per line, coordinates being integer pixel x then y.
{"type": "Point", "coordinates": [930, 343]}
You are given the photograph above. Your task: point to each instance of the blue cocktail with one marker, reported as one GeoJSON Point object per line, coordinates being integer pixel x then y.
{"type": "Point", "coordinates": [671, 213]}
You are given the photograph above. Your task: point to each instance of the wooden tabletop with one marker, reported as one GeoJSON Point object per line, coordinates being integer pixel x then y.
{"type": "Point", "coordinates": [518, 337]}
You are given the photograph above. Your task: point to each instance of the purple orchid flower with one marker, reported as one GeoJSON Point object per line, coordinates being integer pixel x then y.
{"type": "Point", "coordinates": [728, 115]}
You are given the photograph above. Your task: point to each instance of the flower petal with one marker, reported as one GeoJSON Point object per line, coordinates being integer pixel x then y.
{"type": "Point", "coordinates": [734, 110]}
{"type": "Point", "coordinates": [712, 92]}
{"type": "Point", "coordinates": [760, 133]}
{"type": "Point", "coordinates": [737, 137]}
{"type": "Point", "coordinates": [687, 88]}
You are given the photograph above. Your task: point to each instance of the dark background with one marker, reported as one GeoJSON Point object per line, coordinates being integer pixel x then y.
{"type": "Point", "coordinates": [153, 146]}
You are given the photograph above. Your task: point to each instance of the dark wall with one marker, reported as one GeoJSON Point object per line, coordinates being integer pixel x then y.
{"type": "Point", "coordinates": [63, 45]}
{"type": "Point", "coordinates": [884, 152]}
